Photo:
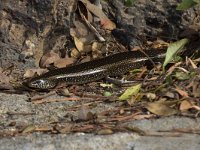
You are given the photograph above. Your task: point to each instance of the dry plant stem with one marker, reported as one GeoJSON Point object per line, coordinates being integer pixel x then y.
{"type": "Point", "coordinates": [59, 100]}
{"type": "Point", "coordinates": [101, 39]}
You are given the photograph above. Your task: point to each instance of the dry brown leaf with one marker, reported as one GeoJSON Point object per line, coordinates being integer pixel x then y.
{"type": "Point", "coordinates": [48, 59]}
{"type": "Point", "coordinates": [31, 72]}
{"type": "Point", "coordinates": [81, 47]}
{"type": "Point", "coordinates": [136, 130]}
{"type": "Point", "coordinates": [193, 64]}
{"type": "Point", "coordinates": [94, 9]}
{"type": "Point", "coordinates": [196, 107]}
{"type": "Point", "coordinates": [181, 92]}
{"type": "Point", "coordinates": [160, 108]}
{"type": "Point", "coordinates": [105, 132]}
{"type": "Point", "coordinates": [169, 94]}
{"type": "Point", "coordinates": [75, 53]}
{"type": "Point", "coordinates": [105, 22]}
{"type": "Point", "coordinates": [82, 9]}
{"type": "Point", "coordinates": [159, 44]}
{"type": "Point", "coordinates": [28, 129]}
{"type": "Point", "coordinates": [63, 62]}
{"type": "Point", "coordinates": [80, 31]}
{"type": "Point", "coordinates": [196, 88]}
{"type": "Point", "coordinates": [185, 105]}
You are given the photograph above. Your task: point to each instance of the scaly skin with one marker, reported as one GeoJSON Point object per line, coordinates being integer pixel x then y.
{"type": "Point", "coordinates": [113, 65]}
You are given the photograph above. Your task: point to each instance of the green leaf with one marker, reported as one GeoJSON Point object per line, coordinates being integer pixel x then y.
{"type": "Point", "coordinates": [130, 2]}
{"type": "Point", "coordinates": [133, 90]}
{"type": "Point", "coordinates": [173, 49]}
{"type": "Point", "coordinates": [106, 93]}
{"type": "Point", "coordinates": [185, 4]}
{"type": "Point", "coordinates": [182, 75]}
{"type": "Point", "coordinates": [197, 1]}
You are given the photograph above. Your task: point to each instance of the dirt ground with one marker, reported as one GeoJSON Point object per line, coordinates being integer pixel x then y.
{"type": "Point", "coordinates": [33, 33]}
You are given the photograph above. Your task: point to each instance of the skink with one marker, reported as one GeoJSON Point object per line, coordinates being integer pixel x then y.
{"type": "Point", "coordinates": [113, 65]}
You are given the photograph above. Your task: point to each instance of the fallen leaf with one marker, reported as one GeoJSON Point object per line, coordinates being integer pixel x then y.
{"type": "Point", "coordinates": [185, 4]}
{"type": "Point", "coordinates": [185, 105]}
{"type": "Point", "coordinates": [63, 62]}
{"type": "Point", "coordinates": [32, 72]}
{"type": "Point", "coordinates": [79, 31]}
{"type": "Point", "coordinates": [195, 84]}
{"type": "Point", "coordinates": [181, 92]}
{"type": "Point", "coordinates": [29, 128]}
{"type": "Point", "coordinates": [161, 109]}
{"type": "Point", "coordinates": [106, 93]}
{"type": "Point", "coordinates": [48, 59]}
{"type": "Point", "coordinates": [180, 75]}
{"type": "Point", "coordinates": [65, 92]}
{"type": "Point", "coordinates": [151, 96]}
{"type": "Point", "coordinates": [197, 1]}
{"type": "Point", "coordinates": [133, 90]}
{"type": "Point", "coordinates": [130, 2]}
{"type": "Point", "coordinates": [79, 44]}
{"type": "Point", "coordinates": [107, 24]}
{"type": "Point", "coordinates": [105, 132]}
{"type": "Point", "coordinates": [105, 21]}
{"type": "Point", "coordinates": [75, 53]}
{"type": "Point", "coordinates": [169, 94]}
{"type": "Point", "coordinates": [135, 98]}
{"type": "Point", "coordinates": [136, 130]}
{"type": "Point", "coordinates": [173, 49]}
{"type": "Point", "coordinates": [193, 64]}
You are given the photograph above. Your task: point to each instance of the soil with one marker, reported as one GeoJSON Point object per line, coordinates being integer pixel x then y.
{"type": "Point", "coordinates": [30, 29]}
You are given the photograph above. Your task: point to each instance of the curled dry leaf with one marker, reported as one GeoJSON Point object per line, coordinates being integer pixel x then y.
{"type": "Point", "coordinates": [105, 21]}
{"type": "Point", "coordinates": [48, 59]}
{"type": "Point", "coordinates": [181, 92]}
{"type": "Point", "coordinates": [169, 94]}
{"type": "Point", "coordinates": [185, 105]}
{"type": "Point", "coordinates": [82, 48]}
{"type": "Point", "coordinates": [32, 72]}
{"type": "Point", "coordinates": [151, 96]}
{"type": "Point", "coordinates": [65, 92]}
{"type": "Point", "coordinates": [160, 108]}
{"type": "Point", "coordinates": [107, 24]}
{"type": "Point", "coordinates": [63, 62]}
{"type": "Point", "coordinates": [80, 31]}
{"type": "Point", "coordinates": [75, 53]}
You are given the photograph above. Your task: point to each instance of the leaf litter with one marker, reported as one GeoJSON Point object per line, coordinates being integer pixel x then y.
{"type": "Point", "coordinates": [177, 92]}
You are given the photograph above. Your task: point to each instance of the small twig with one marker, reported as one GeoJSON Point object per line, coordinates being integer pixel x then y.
{"type": "Point", "coordinates": [59, 100]}
{"type": "Point", "coordinates": [93, 29]}
{"type": "Point", "coordinates": [20, 113]}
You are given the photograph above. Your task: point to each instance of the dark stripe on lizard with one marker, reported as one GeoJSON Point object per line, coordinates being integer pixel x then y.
{"type": "Point", "coordinates": [113, 65]}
